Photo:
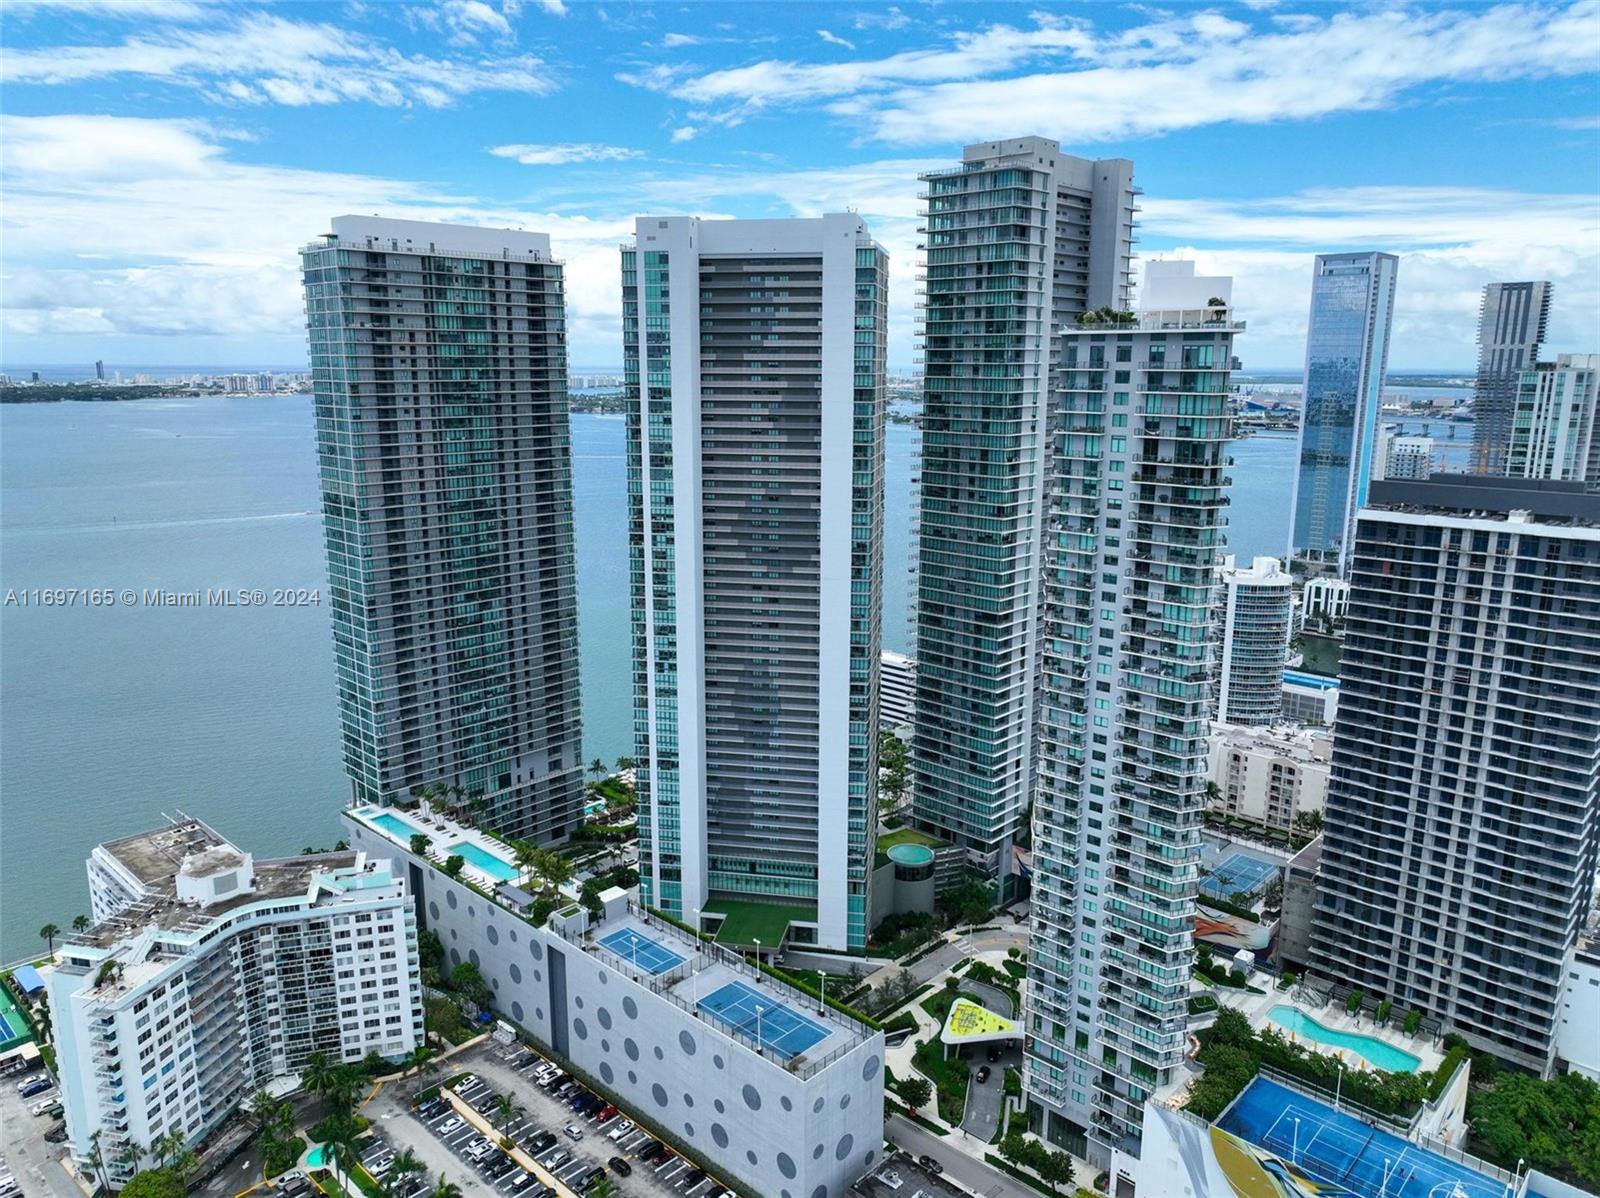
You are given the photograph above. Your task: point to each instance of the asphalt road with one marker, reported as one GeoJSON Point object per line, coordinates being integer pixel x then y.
{"type": "Point", "coordinates": [974, 1174]}
{"type": "Point", "coordinates": [1008, 935]}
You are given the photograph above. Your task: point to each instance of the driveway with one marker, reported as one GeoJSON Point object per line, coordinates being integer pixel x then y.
{"type": "Point", "coordinates": [984, 1102]}
{"type": "Point", "coordinates": [1007, 935]}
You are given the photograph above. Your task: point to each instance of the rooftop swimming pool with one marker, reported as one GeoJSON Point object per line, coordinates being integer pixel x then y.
{"type": "Point", "coordinates": [483, 861]}
{"type": "Point", "coordinates": [1378, 1053]}
{"type": "Point", "coordinates": [391, 823]}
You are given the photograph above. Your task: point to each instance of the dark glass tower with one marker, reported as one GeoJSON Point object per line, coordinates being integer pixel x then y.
{"type": "Point", "coordinates": [439, 359]}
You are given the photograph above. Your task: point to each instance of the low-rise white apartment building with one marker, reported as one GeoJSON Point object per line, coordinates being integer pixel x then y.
{"type": "Point", "coordinates": [1269, 775]}
{"type": "Point", "coordinates": [213, 975]}
{"type": "Point", "coordinates": [1576, 1042]}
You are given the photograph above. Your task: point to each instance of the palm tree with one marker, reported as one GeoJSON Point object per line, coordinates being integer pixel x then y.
{"type": "Point", "coordinates": [97, 1160]}
{"type": "Point", "coordinates": [556, 869]}
{"type": "Point", "coordinates": [185, 1163]}
{"type": "Point", "coordinates": [598, 768]}
{"type": "Point", "coordinates": [48, 934]}
{"type": "Point", "coordinates": [603, 1187]}
{"type": "Point", "coordinates": [131, 1156]}
{"type": "Point", "coordinates": [80, 923]}
{"type": "Point", "coordinates": [404, 1165]}
{"type": "Point", "coordinates": [446, 1189]}
{"type": "Point", "coordinates": [168, 1146]}
{"type": "Point", "coordinates": [421, 1063]}
{"type": "Point", "coordinates": [527, 857]}
{"type": "Point", "coordinates": [505, 1110]}
{"type": "Point", "coordinates": [317, 1073]}
{"type": "Point", "coordinates": [625, 763]}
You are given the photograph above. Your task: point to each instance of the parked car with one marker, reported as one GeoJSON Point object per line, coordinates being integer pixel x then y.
{"type": "Point", "coordinates": [620, 1167]}
{"type": "Point", "coordinates": [572, 1131]}
{"type": "Point", "coordinates": [557, 1158]}
{"type": "Point", "coordinates": [993, 1054]}
{"type": "Point", "coordinates": [42, 1107]}
{"type": "Point", "coordinates": [931, 1165]}
{"type": "Point", "coordinates": [605, 1113]}
{"type": "Point", "coordinates": [542, 1141]}
{"type": "Point", "coordinates": [33, 1086]}
{"type": "Point", "coordinates": [983, 1074]}
{"type": "Point", "coordinates": [451, 1124]}
{"type": "Point", "coordinates": [520, 1183]}
{"type": "Point", "coordinates": [621, 1129]}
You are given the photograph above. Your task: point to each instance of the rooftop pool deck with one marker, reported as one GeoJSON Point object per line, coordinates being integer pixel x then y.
{"type": "Point", "coordinates": [488, 863]}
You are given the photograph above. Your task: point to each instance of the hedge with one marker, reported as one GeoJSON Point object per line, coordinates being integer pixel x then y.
{"type": "Point", "coordinates": [787, 978]}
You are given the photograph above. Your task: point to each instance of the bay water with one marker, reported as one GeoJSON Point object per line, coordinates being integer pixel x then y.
{"type": "Point", "coordinates": [111, 716]}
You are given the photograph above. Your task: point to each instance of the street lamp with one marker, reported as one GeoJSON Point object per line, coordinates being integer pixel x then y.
{"type": "Point", "coordinates": [1338, 1085]}
{"type": "Point", "coordinates": [758, 959]}
{"type": "Point", "coordinates": [1294, 1150]}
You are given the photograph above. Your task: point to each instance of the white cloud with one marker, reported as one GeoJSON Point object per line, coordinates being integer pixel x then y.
{"type": "Point", "coordinates": [674, 40]}
{"type": "Point", "coordinates": [563, 153]}
{"type": "Point", "coordinates": [889, 18]}
{"type": "Point", "coordinates": [1170, 73]}
{"type": "Point", "coordinates": [833, 39]}
{"type": "Point", "coordinates": [261, 58]}
{"type": "Point", "coordinates": [126, 227]}
{"type": "Point", "coordinates": [1582, 123]}
{"type": "Point", "coordinates": [684, 133]}
{"type": "Point", "coordinates": [554, 7]}
{"type": "Point", "coordinates": [117, 227]}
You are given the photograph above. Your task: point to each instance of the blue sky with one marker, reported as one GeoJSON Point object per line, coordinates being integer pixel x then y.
{"type": "Point", "coordinates": [164, 158]}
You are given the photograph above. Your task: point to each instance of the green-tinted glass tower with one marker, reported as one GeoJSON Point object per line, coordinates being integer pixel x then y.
{"type": "Point", "coordinates": [1021, 239]}
{"type": "Point", "coordinates": [438, 354]}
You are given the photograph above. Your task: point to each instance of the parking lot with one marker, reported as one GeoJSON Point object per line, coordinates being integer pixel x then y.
{"type": "Point", "coordinates": [576, 1136]}
{"type": "Point", "coordinates": [29, 1157]}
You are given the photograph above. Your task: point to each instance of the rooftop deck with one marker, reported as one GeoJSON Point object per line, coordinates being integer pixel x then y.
{"type": "Point", "coordinates": [723, 990]}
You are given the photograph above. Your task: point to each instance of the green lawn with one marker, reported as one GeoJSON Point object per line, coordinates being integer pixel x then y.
{"type": "Point", "coordinates": [748, 921]}
{"type": "Point", "coordinates": [909, 836]}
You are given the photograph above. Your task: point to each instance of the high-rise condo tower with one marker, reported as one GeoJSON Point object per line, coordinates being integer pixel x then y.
{"type": "Point", "coordinates": [1141, 424]}
{"type": "Point", "coordinates": [1463, 809]}
{"type": "Point", "coordinates": [439, 361]}
{"type": "Point", "coordinates": [1021, 238]}
{"type": "Point", "coordinates": [1511, 327]}
{"type": "Point", "coordinates": [754, 355]}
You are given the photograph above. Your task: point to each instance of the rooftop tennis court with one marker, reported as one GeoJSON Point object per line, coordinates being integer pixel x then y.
{"type": "Point", "coordinates": [13, 1027]}
{"type": "Point", "coordinates": [642, 952]}
{"type": "Point", "coordinates": [777, 1027]}
{"type": "Point", "coordinates": [1238, 873]}
{"type": "Point", "coordinates": [1340, 1150]}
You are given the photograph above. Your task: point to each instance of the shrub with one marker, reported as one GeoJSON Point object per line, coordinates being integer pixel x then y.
{"type": "Point", "coordinates": [1353, 1003]}
{"type": "Point", "coordinates": [1237, 977]}
{"type": "Point", "coordinates": [1382, 1015]}
{"type": "Point", "coordinates": [1413, 1022]}
{"type": "Point", "coordinates": [1288, 980]}
{"type": "Point", "coordinates": [454, 864]}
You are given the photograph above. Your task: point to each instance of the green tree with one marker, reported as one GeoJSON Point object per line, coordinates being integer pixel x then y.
{"type": "Point", "coordinates": [421, 1063]}
{"type": "Point", "coordinates": [48, 934]}
{"type": "Point", "coordinates": [505, 1111]}
{"type": "Point", "coordinates": [446, 1189]}
{"type": "Point", "coordinates": [625, 764]}
{"type": "Point", "coordinates": [916, 1092]}
{"type": "Point", "coordinates": [420, 843]}
{"type": "Point", "coordinates": [598, 768]}
{"type": "Point", "coordinates": [468, 981]}
{"type": "Point", "coordinates": [97, 1160]}
{"type": "Point", "coordinates": [1054, 1167]}
{"type": "Point", "coordinates": [970, 901]}
{"type": "Point", "coordinates": [454, 864]}
{"type": "Point", "coordinates": [1353, 1003]}
{"type": "Point", "coordinates": [1014, 1147]}
{"type": "Point", "coordinates": [405, 1164]}
{"type": "Point", "coordinates": [80, 923]}
{"type": "Point", "coordinates": [1413, 1022]}
{"type": "Point", "coordinates": [317, 1074]}
{"type": "Point", "coordinates": [167, 1147]}
{"type": "Point", "coordinates": [154, 1183]}
{"type": "Point", "coordinates": [131, 1156]}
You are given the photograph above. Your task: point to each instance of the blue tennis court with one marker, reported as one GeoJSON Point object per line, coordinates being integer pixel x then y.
{"type": "Point", "coordinates": [1340, 1150]}
{"type": "Point", "coordinates": [1238, 874]}
{"type": "Point", "coordinates": [776, 1026]}
{"type": "Point", "coordinates": [642, 952]}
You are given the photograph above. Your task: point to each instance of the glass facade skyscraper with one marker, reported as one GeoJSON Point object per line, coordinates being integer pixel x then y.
{"type": "Point", "coordinates": [1511, 327]}
{"type": "Point", "coordinates": [1021, 238]}
{"type": "Point", "coordinates": [1140, 429]}
{"type": "Point", "coordinates": [754, 359]}
{"type": "Point", "coordinates": [1347, 355]}
{"type": "Point", "coordinates": [439, 364]}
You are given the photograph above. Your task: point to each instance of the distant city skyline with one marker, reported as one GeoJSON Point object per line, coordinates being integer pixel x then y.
{"type": "Point", "coordinates": [163, 160]}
